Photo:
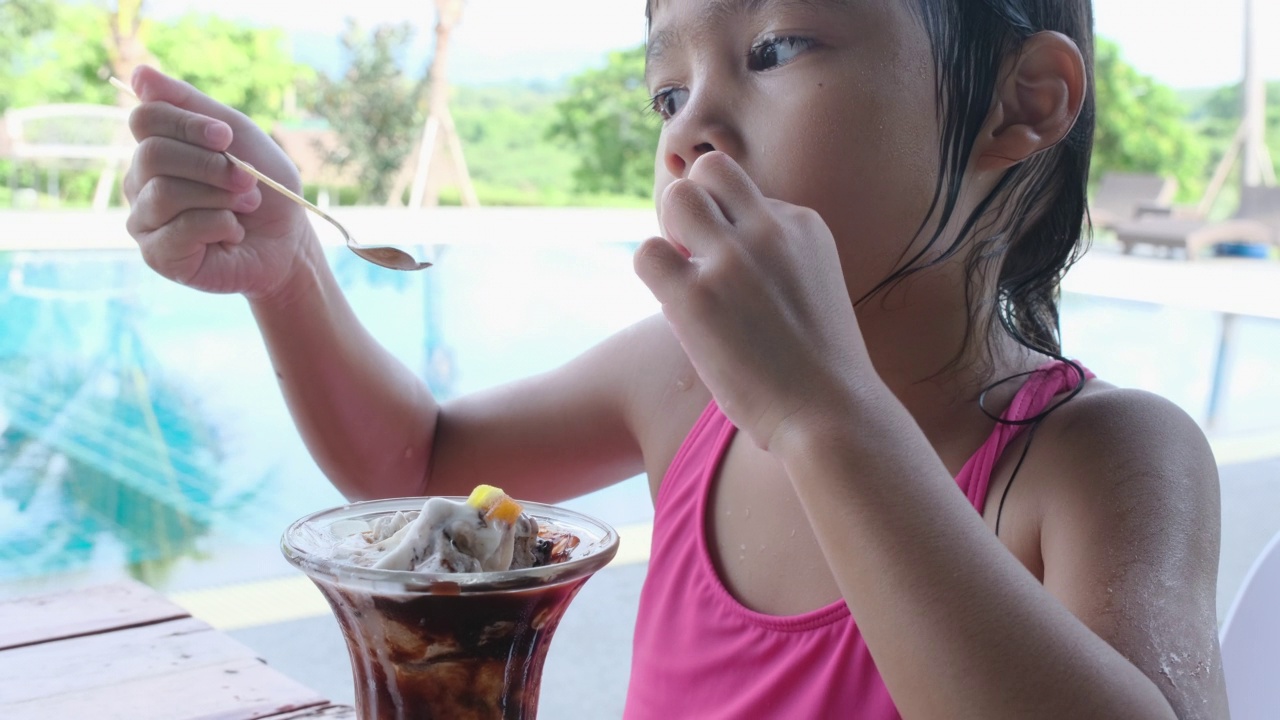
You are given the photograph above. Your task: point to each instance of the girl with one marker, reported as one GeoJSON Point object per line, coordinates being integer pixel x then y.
{"type": "Point", "coordinates": [866, 209]}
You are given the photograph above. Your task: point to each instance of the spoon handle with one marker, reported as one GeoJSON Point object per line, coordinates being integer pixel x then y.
{"type": "Point", "coordinates": [121, 85]}
{"type": "Point", "coordinates": [278, 187]}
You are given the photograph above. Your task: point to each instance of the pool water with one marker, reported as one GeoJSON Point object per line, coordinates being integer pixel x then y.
{"type": "Point", "coordinates": [143, 433]}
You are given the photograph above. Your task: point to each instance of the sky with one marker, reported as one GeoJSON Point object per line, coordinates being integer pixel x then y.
{"type": "Point", "coordinates": [1182, 43]}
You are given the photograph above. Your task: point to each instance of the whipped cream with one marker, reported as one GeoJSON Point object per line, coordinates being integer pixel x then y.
{"type": "Point", "coordinates": [445, 537]}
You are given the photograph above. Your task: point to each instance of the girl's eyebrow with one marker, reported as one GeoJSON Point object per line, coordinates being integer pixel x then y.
{"type": "Point", "coordinates": [718, 11]}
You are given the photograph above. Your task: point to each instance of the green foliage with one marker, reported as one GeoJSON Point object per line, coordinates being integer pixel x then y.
{"type": "Point", "coordinates": [64, 59]}
{"type": "Point", "coordinates": [1142, 128]}
{"type": "Point", "coordinates": [247, 68]}
{"type": "Point", "coordinates": [376, 108]}
{"type": "Point", "coordinates": [494, 195]}
{"type": "Point", "coordinates": [20, 19]}
{"type": "Point", "coordinates": [605, 121]}
{"type": "Point", "coordinates": [589, 142]}
{"type": "Point", "coordinates": [1224, 105]}
{"type": "Point", "coordinates": [61, 59]}
{"type": "Point", "coordinates": [502, 129]}
{"type": "Point", "coordinates": [1216, 117]}
{"type": "Point", "coordinates": [57, 53]}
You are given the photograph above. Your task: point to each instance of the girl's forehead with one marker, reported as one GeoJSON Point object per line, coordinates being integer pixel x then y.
{"type": "Point", "coordinates": [731, 7]}
{"type": "Point", "coordinates": [673, 22]}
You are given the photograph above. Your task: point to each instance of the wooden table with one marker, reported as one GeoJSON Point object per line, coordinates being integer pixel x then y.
{"type": "Point", "coordinates": [124, 651]}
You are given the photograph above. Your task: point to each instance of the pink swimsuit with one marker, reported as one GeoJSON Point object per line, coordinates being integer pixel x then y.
{"type": "Point", "coordinates": [699, 653]}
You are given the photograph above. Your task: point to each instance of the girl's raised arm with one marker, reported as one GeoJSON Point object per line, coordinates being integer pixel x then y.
{"type": "Point", "coordinates": [371, 424]}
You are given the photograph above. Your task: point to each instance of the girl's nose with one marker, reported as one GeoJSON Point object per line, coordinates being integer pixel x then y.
{"type": "Point", "coordinates": [693, 134]}
{"type": "Point", "coordinates": [679, 159]}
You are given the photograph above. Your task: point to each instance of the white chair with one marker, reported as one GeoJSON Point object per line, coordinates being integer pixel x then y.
{"type": "Point", "coordinates": [71, 134]}
{"type": "Point", "coordinates": [1250, 641]}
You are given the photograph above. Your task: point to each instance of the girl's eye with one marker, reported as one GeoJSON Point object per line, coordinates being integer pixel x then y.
{"type": "Point", "coordinates": [776, 52]}
{"type": "Point", "coordinates": [669, 101]}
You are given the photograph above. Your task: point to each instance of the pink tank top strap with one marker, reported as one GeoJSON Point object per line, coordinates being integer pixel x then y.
{"type": "Point", "coordinates": [1033, 398]}
{"type": "Point", "coordinates": [699, 454]}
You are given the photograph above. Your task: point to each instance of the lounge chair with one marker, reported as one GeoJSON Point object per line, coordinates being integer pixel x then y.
{"type": "Point", "coordinates": [1122, 197]}
{"type": "Point", "coordinates": [1256, 222]}
{"type": "Point", "coordinates": [1250, 640]}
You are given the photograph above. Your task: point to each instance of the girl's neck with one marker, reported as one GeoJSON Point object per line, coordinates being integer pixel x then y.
{"type": "Point", "coordinates": [916, 337]}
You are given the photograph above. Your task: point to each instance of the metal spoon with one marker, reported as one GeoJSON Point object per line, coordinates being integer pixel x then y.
{"type": "Point", "coordinates": [384, 255]}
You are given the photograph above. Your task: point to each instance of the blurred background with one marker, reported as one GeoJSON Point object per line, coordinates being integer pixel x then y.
{"type": "Point", "coordinates": [141, 430]}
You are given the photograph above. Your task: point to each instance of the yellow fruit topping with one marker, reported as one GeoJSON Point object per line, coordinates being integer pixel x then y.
{"type": "Point", "coordinates": [484, 495]}
{"type": "Point", "coordinates": [495, 503]}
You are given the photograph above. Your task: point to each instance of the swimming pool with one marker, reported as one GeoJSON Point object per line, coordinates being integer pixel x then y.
{"type": "Point", "coordinates": [144, 434]}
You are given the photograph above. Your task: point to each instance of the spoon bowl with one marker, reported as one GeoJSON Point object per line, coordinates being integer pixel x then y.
{"type": "Point", "coordinates": [382, 255]}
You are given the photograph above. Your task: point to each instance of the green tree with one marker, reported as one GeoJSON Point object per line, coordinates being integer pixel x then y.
{"type": "Point", "coordinates": [67, 61]}
{"type": "Point", "coordinates": [1217, 117]}
{"type": "Point", "coordinates": [245, 67]}
{"type": "Point", "coordinates": [496, 125]}
{"type": "Point", "coordinates": [604, 118]}
{"type": "Point", "coordinates": [1142, 126]}
{"type": "Point", "coordinates": [20, 19]}
{"type": "Point", "coordinates": [60, 58]}
{"type": "Point", "coordinates": [60, 53]}
{"type": "Point", "coordinates": [376, 108]}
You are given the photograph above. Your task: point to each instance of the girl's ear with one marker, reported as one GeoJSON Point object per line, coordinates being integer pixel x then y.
{"type": "Point", "coordinates": [1037, 101]}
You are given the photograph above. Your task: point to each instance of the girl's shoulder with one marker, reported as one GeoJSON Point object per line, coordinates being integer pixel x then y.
{"type": "Point", "coordinates": [664, 396]}
{"type": "Point", "coordinates": [1121, 457]}
{"type": "Point", "coordinates": [1109, 432]}
{"type": "Point", "coordinates": [1118, 466]}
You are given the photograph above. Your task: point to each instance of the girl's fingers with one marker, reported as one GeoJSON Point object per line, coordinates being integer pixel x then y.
{"type": "Point", "coordinates": [735, 194]}
{"type": "Point", "coordinates": [162, 119]}
{"type": "Point", "coordinates": [164, 198]}
{"type": "Point", "coordinates": [156, 156]}
{"type": "Point", "coordinates": [664, 268]}
{"type": "Point", "coordinates": [715, 196]}
{"type": "Point", "coordinates": [176, 248]}
{"type": "Point", "coordinates": [690, 217]}
{"type": "Point", "coordinates": [152, 85]}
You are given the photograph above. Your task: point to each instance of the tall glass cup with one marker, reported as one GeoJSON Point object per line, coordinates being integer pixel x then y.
{"type": "Point", "coordinates": [429, 646]}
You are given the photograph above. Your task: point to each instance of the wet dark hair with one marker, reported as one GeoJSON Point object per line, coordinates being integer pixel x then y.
{"type": "Point", "coordinates": [1044, 232]}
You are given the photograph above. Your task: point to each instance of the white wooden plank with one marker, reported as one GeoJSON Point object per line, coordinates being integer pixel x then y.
{"type": "Point", "coordinates": [328, 712]}
{"type": "Point", "coordinates": [110, 659]}
{"type": "Point", "coordinates": [236, 690]}
{"type": "Point", "coordinates": [45, 618]}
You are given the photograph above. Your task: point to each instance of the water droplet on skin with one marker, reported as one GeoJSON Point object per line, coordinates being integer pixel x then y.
{"type": "Point", "coordinates": [742, 547]}
{"type": "Point", "coordinates": [793, 533]}
{"type": "Point", "coordinates": [747, 513]}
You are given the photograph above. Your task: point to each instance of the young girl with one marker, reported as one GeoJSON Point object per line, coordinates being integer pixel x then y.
{"type": "Point", "coordinates": [866, 209]}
